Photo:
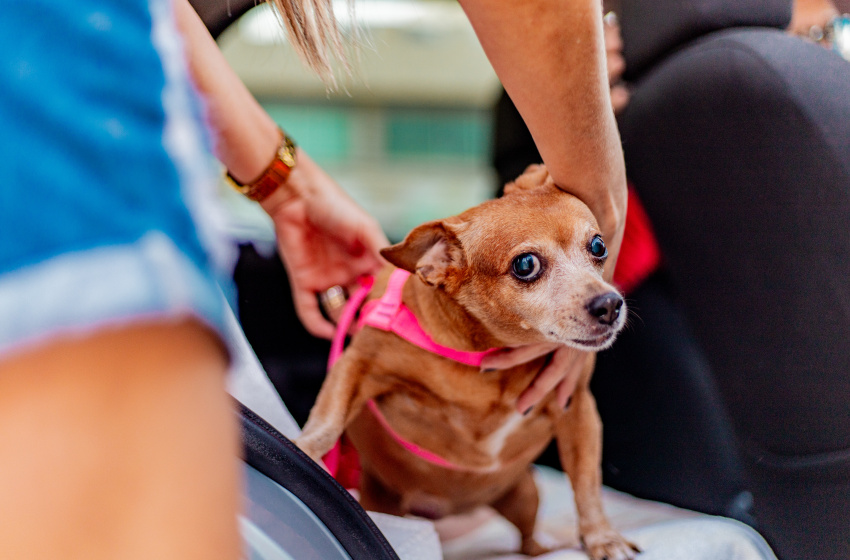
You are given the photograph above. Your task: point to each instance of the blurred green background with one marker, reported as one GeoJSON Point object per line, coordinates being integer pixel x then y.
{"type": "Point", "coordinates": [407, 134]}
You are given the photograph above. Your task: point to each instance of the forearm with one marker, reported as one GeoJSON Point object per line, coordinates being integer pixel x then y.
{"type": "Point", "coordinates": [245, 136]}
{"type": "Point", "coordinates": [550, 57]}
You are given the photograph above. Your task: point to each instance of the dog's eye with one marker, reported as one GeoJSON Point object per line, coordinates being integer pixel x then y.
{"type": "Point", "coordinates": [597, 248]}
{"type": "Point", "coordinates": [526, 266]}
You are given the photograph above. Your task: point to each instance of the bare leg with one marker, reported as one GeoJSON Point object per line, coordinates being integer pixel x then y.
{"type": "Point", "coordinates": [120, 444]}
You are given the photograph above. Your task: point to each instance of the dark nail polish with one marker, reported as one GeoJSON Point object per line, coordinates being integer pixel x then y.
{"type": "Point", "coordinates": [527, 410]}
{"type": "Point", "coordinates": [489, 370]}
{"type": "Point", "coordinates": [569, 402]}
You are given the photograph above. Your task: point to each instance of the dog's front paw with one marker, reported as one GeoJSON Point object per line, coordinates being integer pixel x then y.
{"type": "Point", "coordinates": [608, 545]}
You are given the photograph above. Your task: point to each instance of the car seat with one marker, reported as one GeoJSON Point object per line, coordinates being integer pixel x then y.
{"type": "Point", "coordinates": [729, 392]}
{"type": "Point", "coordinates": [737, 139]}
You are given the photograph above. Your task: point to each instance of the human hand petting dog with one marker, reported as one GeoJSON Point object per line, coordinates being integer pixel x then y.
{"type": "Point", "coordinates": [325, 239]}
{"type": "Point", "coordinates": [564, 367]}
{"type": "Point", "coordinates": [561, 373]}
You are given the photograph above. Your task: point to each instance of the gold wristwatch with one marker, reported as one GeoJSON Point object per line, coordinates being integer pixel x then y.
{"type": "Point", "coordinates": [274, 175]}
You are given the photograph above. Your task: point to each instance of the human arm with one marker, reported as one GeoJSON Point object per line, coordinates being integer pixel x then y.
{"type": "Point", "coordinates": [551, 58]}
{"type": "Point", "coordinates": [324, 238]}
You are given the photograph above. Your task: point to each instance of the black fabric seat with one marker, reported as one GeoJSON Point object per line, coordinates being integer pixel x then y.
{"type": "Point", "coordinates": [738, 143]}
{"type": "Point", "coordinates": [729, 392]}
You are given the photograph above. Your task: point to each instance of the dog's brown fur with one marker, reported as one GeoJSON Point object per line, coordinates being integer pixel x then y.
{"type": "Point", "coordinates": [464, 295]}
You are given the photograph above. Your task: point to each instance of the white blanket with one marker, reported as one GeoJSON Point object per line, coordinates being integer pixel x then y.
{"type": "Point", "coordinates": [662, 532]}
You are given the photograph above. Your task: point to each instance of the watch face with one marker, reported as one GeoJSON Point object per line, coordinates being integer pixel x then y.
{"type": "Point", "coordinates": [286, 153]}
{"type": "Point", "coordinates": [287, 156]}
{"type": "Point", "coordinates": [273, 177]}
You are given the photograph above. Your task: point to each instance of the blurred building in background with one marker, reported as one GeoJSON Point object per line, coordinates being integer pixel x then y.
{"type": "Point", "coordinates": [407, 134]}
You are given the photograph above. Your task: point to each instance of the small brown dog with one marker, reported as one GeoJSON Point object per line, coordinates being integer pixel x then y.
{"type": "Point", "coordinates": [440, 437]}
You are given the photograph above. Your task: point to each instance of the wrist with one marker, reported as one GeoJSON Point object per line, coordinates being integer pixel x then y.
{"type": "Point", "coordinates": [274, 177]}
{"type": "Point", "coordinates": [296, 187]}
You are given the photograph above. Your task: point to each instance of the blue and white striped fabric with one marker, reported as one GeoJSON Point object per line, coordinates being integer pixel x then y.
{"type": "Point", "coordinates": [107, 211]}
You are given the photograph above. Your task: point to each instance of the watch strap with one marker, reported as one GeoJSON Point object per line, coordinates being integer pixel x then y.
{"type": "Point", "coordinates": [273, 176]}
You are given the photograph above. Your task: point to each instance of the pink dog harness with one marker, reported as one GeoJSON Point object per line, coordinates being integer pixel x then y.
{"type": "Point", "coordinates": [388, 313]}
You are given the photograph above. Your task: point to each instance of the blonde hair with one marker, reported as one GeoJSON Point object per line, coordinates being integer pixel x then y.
{"type": "Point", "coordinates": [313, 31]}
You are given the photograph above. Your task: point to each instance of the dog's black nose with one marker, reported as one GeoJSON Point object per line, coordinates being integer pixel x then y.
{"type": "Point", "coordinates": [606, 307]}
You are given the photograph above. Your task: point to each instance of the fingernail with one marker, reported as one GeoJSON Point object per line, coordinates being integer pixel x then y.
{"type": "Point", "coordinates": [569, 402]}
{"type": "Point", "coordinates": [527, 410]}
{"type": "Point", "coordinates": [488, 370]}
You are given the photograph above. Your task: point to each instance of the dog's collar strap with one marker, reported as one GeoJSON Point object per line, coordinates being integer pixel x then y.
{"type": "Point", "coordinates": [389, 314]}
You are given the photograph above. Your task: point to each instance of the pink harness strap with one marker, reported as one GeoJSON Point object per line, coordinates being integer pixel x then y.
{"type": "Point", "coordinates": [420, 452]}
{"type": "Point", "coordinates": [352, 306]}
{"type": "Point", "coordinates": [388, 313]}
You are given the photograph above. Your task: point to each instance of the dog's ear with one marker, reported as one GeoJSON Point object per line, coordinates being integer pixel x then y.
{"type": "Point", "coordinates": [430, 251]}
{"type": "Point", "coordinates": [533, 177]}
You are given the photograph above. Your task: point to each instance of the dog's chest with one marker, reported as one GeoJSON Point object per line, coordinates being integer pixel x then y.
{"type": "Point", "coordinates": [480, 440]}
{"type": "Point", "coordinates": [493, 442]}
